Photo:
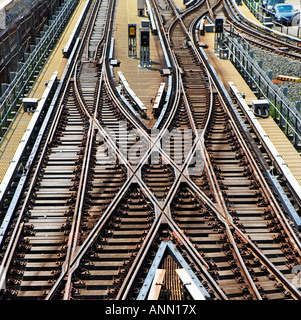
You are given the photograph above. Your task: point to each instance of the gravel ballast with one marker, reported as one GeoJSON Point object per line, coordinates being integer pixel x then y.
{"type": "Point", "coordinates": [280, 65]}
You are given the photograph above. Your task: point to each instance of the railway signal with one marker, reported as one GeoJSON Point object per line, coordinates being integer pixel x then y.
{"type": "Point", "coordinates": [144, 47]}
{"type": "Point", "coordinates": [219, 26]}
{"type": "Point", "coordinates": [132, 39]}
{"type": "Point", "coordinates": [219, 23]}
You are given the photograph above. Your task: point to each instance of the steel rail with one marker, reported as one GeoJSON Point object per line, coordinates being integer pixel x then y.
{"type": "Point", "coordinates": [91, 238]}
{"type": "Point", "coordinates": [136, 266]}
{"type": "Point", "coordinates": [230, 235]}
{"type": "Point", "coordinates": [247, 24]}
{"type": "Point", "coordinates": [77, 210]}
{"type": "Point", "coordinates": [144, 188]}
{"type": "Point", "coordinates": [75, 229]}
{"type": "Point", "coordinates": [293, 238]}
{"type": "Point", "coordinates": [271, 267]}
{"type": "Point", "coordinates": [77, 215]}
{"type": "Point", "coordinates": [9, 254]}
{"type": "Point", "coordinates": [91, 24]}
{"type": "Point", "coordinates": [79, 251]}
{"type": "Point", "coordinates": [16, 235]}
{"type": "Point", "coordinates": [274, 39]}
{"type": "Point", "coordinates": [297, 243]}
{"type": "Point", "coordinates": [88, 151]}
{"type": "Point", "coordinates": [296, 293]}
{"type": "Point", "coordinates": [217, 190]}
{"type": "Point", "coordinates": [214, 184]}
{"type": "Point", "coordinates": [224, 208]}
{"type": "Point", "coordinates": [78, 220]}
{"type": "Point", "coordinates": [101, 40]}
{"type": "Point", "coordinates": [77, 260]}
{"type": "Point", "coordinates": [195, 256]}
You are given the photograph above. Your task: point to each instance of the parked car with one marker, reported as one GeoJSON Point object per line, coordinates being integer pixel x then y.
{"type": "Point", "coordinates": [269, 5]}
{"type": "Point", "coordinates": [264, 3]}
{"type": "Point", "coordinates": [284, 13]}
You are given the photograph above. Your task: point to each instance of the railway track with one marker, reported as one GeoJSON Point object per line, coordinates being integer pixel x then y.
{"type": "Point", "coordinates": [122, 200]}
{"type": "Point", "coordinates": [107, 262]}
{"type": "Point", "coordinates": [261, 37]}
{"type": "Point", "coordinates": [249, 210]}
{"type": "Point", "coordinates": [46, 213]}
{"type": "Point", "coordinates": [52, 202]}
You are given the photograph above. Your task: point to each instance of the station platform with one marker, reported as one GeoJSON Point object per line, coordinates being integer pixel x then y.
{"type": "Point", "coordinates": [228, 73]}
{"type": "Point", "coordinates": [55, 63]}
{"type": "Point", "coordinates": [144, 82]}
{"type": "Point", "coordinates": [247, 13]}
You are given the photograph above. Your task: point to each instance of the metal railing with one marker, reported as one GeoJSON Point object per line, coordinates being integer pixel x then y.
{"type": "Point", "coordinates": [10, 100]}
{"type": "Point", "coordinates": [265, 17]}
{"type": "Point", "coordinates": [281, 109]}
